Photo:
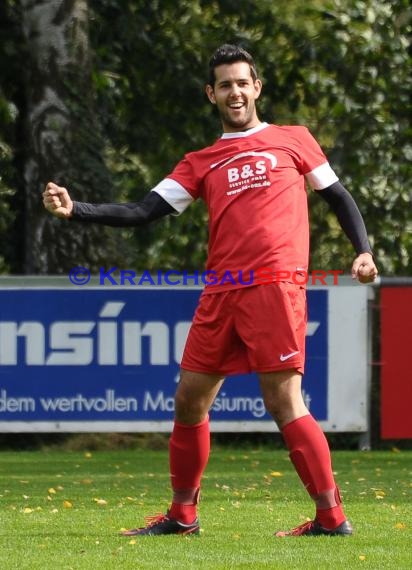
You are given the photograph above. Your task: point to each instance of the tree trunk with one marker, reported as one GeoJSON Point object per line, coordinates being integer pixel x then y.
{"type": "Point", "coordinates": [62, 138]}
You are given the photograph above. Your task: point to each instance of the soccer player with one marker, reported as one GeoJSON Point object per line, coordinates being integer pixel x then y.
{"type": "Point", "coordinates": [253, 182]}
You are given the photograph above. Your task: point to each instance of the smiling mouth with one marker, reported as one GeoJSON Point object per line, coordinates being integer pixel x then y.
{"type": "Point", "coordinates": [236, 106]}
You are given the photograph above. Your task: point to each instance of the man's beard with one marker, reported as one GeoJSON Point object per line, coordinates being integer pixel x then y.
{"type": "Point", "coordinates": [239, 123]}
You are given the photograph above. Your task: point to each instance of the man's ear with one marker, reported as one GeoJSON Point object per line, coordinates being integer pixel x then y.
{"type": "Point", "coordinates": [210, 94]}
{"type": "Point", "coordinates": [258, 88]}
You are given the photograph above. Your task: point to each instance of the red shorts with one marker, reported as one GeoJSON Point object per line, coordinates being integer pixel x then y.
{"type": "Point", "coordinates": [260, 329]}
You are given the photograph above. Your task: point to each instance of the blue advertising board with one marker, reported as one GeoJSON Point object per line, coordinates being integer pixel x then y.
{"type": "Point", "coordinates": [106, 358]}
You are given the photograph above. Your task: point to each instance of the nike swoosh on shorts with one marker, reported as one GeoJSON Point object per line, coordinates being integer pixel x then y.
{"type": "Point", "coordinates": [284, 357]}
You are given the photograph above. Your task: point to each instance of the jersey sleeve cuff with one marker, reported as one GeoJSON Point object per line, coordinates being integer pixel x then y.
{"type": "Point", "coordinates": [321, 177]}
{"type": "Point", "coordinates": [174, 194]}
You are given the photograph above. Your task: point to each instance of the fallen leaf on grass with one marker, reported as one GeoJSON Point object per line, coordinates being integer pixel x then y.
{"type": "Point", "coordinates": [101, 502]}
{"type": "Point", "coordinates": [67, 505]}
{"type": "Point", "coordinates": [276, 474]}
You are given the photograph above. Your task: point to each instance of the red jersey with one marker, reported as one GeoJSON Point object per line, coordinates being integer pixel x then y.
{"type": "Point", "coordinates": [253, 183]}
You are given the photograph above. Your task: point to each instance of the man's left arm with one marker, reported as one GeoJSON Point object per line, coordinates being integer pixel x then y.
{"type": "Point", "coordinates": [351, 221]}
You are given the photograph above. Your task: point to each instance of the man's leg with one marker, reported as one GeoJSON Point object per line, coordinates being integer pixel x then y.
{"type": "Point", "coordinates": [190, 441]}
{"type": "Point", "coordinates": [307, 444]}
{"type": "Point", "coordinates": [188, 454]}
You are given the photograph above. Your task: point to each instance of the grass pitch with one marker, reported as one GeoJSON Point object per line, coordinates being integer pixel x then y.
{"type": "Point", "coordinates": [64, 510]}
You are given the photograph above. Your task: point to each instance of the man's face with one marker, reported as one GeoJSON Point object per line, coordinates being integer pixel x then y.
{"type": "Point", "coordinates": [234, 94]}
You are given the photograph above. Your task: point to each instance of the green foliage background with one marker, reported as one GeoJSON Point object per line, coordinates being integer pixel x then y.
{"type": "Point", "coordinates": [341, 67]}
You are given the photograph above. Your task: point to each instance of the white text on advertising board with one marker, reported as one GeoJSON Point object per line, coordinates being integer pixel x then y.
{"type": "Point", "coordinates": [106, 341]}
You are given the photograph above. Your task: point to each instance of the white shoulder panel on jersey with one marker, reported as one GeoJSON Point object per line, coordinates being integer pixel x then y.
{"type": "Point", "coordinates": [174, 194]}
{"type": "Point", "coordinates": [321, 177]}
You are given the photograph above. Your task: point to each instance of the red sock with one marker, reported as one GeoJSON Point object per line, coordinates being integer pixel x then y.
{"type": "Point", "coordinates": [189, 449]}
{"type": "Point", "coordinates": [310, 455]}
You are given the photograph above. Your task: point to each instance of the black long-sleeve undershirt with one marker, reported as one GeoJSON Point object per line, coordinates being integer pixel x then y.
{"type": "Point", "coordinates": [127, 214]}
{"type": "Point", "coordinates": [348, 214]}
{"type": "Point", "coordinates": [153, 207]}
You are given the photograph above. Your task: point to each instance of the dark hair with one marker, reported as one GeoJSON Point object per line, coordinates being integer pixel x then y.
{"type": "Point", "coordinates": [229, 53]}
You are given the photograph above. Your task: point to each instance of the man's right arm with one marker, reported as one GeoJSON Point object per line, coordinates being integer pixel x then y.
{"type": "Point", "coordinates": [57, 201]}
{"type": "Point", "coordinates": [127, 214]}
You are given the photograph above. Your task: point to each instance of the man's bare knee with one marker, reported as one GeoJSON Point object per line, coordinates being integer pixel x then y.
{"type": "Point", "coordinates": [282, 395]}
{"type": "Point", "coordinates": [194, 396]}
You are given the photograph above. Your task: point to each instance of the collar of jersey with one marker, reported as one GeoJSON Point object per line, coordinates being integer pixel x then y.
{"type": "Point", "coordinates": [242, 134]}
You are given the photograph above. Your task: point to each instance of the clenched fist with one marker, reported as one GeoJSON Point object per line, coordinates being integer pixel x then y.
{"type": "Point", "coordinates": [364, 268]}
{"type": "Point", "coordinates": [57, 201]}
